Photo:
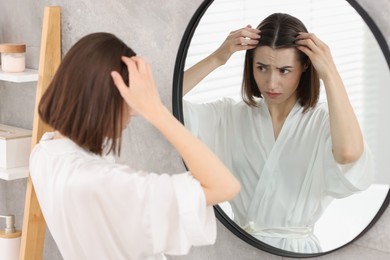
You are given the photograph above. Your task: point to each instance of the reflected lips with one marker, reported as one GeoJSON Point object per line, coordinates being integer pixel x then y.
{"type": "Point", "coordinates": [273, 95]}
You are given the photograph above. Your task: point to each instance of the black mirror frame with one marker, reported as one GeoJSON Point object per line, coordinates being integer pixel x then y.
{"type": "Point", "coordinates": [177, 106]}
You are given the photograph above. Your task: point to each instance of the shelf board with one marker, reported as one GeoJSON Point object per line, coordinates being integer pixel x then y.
{"type": "Point", "coordinates": [14, 173]}
{"type": "Point", "coordinates": [29, 75]}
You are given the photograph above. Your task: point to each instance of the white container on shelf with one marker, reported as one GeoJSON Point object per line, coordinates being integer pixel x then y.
{"type": "Point", "coordinates": [10, 239]}
{"type": "Point", "coordinates": [13, 57]}
{"type": "Point", "coordinates": [15, 146]}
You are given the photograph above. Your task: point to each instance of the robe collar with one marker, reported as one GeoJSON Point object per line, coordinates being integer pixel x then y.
{"type": "Point", "coordinates": [65, 145]}
{"type": "Point", "coordinates": [268, 127]}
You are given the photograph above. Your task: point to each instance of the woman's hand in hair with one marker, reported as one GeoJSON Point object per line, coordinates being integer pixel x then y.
{"type": "Point", "coordinates": [217, 182]}
{"type": "Point", "coordinates": [242, 39]}
{"type": "Point", "coordinates": [318, 53]}
{"type": "Point", "coordinates": [141, 95]}
{"type": "Point", "coordinates": [347, 138]}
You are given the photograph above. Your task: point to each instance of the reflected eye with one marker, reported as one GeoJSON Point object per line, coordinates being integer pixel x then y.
{"type": "Point", "coordinates": [284, 71]}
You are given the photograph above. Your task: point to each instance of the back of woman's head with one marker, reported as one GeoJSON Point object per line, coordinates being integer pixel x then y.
{"type": "Point", "coordinates": [82, 102]}
{"type": "Point", "coordinates": [280, 31]}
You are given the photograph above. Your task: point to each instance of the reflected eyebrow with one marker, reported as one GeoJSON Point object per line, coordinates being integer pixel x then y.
{"type": "Point", "coordinates": [262, 64]}
{"type": "Point", "coordinates": [266, 65]}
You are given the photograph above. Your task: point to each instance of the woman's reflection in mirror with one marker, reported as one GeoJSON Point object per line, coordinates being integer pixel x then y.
{"type": "Point", "coordinates": [291, 153]}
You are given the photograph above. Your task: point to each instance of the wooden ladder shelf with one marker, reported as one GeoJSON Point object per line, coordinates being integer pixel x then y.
{"type": "Point", "coordinates": [34, 226]}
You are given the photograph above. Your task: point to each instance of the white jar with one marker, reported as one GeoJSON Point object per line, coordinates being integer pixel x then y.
{"type": "Point", "coordinates": [13, 57]}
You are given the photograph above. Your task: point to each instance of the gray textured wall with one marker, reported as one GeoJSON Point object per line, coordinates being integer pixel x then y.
{"type": "Point", "coordinates": [154, 30]}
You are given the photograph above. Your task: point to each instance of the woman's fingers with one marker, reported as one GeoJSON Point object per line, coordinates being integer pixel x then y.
{"type": "Point", "coordinates": [246, 32]}
{"type": "Point", "coordinates": [140, 63]}
{"type": "Point", "coordinates": [243, 39]}
{"type": "Point", "coordinates": [246, 41]}
{"type": "Point", "coordinates": [311, 41]}
{"type": "Point", "coordinates": [312, 36]}
{"type": "Point", "coordinates": [131, 66]}
{"type": "Point", "coordinates": [134, 65]}
{"type": "Point", "coordinates": [318, 52]}
{"type": "Point", "coordinates": [246, 38]}
{"type": "Point", "coordinates": [251, 33]}
{"type": "Point", "coordinates": [141, 95]}
{"type": "Point", "coordinates": [119, 83]}
{"type": "Point", "coordinates": [248, 28]}
{"type": "Point", "coordinates": [308, 43]}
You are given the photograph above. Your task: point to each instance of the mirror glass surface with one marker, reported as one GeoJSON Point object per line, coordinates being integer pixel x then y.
{"type": "Point", "coordinates": [365, 74]}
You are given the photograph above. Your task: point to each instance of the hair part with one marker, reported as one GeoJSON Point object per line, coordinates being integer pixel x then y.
{"type": "Point", "coordinates": [82, 102]}
{"type": "Point", "coordinates": [280, 31]}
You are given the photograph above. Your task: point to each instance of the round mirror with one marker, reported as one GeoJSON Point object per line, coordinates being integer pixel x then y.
{"type": "Point", "coordinates": [362, 58]}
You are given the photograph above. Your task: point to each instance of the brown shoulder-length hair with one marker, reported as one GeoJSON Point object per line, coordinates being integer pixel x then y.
{"type": "Point", "coordinates": [82, 102]}
{"type": "Point", "coordinates": [279, 31]}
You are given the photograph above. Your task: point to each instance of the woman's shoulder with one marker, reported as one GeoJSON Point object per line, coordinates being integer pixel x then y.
{"type": "Point", "coordinates": [219, 104]}
{"type": "Point", "coordinates": [320, 109]}
{"type": "Point", "coordinates": [315, 116]}
{"type": "Point", "coordinates": [227, 102]}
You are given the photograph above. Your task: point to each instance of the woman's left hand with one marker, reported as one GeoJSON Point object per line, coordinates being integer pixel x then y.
{"type": "Point", "coordinates": [318, 53]}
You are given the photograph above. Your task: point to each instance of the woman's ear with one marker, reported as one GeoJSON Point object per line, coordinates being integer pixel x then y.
{"type": "Point", "coordinates": [305, 66]}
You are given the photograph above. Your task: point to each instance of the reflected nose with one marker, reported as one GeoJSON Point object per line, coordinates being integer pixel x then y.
{"type": "Point", "coordinates": [272, 81]}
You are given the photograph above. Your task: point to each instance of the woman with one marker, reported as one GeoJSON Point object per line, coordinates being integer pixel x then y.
{"type": "Point", "coordinates": [290, 153]}
{"type": "Point", "coordinates": [96, 208]}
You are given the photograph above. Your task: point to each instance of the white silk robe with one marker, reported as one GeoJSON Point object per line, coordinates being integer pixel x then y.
{"type": "Point", "coordinates": [97, 209]}
{"type": "Point", "coordinates": [287, 183]}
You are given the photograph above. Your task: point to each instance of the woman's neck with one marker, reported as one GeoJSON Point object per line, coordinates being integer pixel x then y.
{"type": "Point", "coordinates": [279, 112]}
{"type": "Point", "coordinates": [58, 135]}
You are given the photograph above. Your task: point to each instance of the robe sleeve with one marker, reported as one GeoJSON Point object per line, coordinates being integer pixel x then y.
{"type": "Point", "coordinates": [204, 119]}
{"type": "Point", "coordinates": [342, 180]}
{"type": "Point", "coordinates": [181, 218]}
{"type": "Point", "coordinates": [149, 213]}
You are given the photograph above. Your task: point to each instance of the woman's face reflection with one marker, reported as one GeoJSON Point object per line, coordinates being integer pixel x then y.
{"type": "Point", "coordinates": [277, 73]}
